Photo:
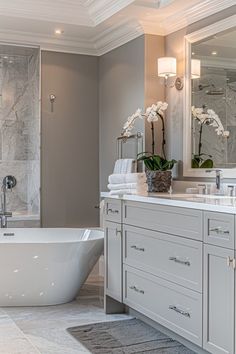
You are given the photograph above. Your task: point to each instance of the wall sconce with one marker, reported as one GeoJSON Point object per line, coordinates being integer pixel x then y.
{"type": "Point", "coordinates": [195, 69]}
{"type": "Point", "coordinates": [166, 69]}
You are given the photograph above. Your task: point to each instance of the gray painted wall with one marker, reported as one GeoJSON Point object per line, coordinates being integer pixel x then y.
{"type": "Point", "coordinates": [121, 92]}
{"type": "Point", "coordinates": [127, 81]}
{"type": "Point", "coordinates": [154, 87]}
{"type": "Point", "coordinates": [70, 162]}
{"type": "Point", "coordinates": [175, 47]}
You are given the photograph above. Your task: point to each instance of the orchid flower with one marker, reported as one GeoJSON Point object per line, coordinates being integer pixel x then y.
{"type": "Point", "coordinates": [210, 118]}
{"type": "Point", "coordinates": [152, 114]}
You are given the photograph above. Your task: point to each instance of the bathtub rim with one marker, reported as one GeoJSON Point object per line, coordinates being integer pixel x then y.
{"type": "Point", "coordinates": [12, 239]}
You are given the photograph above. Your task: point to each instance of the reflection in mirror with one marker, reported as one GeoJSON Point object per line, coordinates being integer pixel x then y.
{"type": "Point", "coordinates": [214, 102]}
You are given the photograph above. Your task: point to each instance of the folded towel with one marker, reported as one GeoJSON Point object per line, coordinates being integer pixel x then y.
{"type": "Point", "coordinates": [128, 191]}
{"type": "Point", "coordinates": [138, 186]}
{"type": "Point", "coordinates": [127, 178]}
{"type": "Point", "coordinates": [125, 166]}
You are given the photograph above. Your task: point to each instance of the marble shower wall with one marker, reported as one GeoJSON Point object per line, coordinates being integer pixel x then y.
{"type": "Point", "coordinates": [214, 80]}
{"type": "Point", "coordinates": [20, 126]}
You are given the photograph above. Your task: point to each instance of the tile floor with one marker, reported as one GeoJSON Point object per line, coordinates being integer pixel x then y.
{"type": "Point", "coordinates": [42, 330]}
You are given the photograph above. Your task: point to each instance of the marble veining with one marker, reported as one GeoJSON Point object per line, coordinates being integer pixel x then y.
{"type": "Point", "coordinates": [20, 125]}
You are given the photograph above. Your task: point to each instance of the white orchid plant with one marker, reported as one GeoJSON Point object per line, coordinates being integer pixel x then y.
{"type": "Point", "coordinates": [153, 113]}
{"type": "Point", "coordinates": [210, 118]}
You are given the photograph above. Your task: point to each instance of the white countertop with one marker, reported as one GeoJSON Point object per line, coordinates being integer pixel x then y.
{"type": "Point", "coordinates": [209, 203]}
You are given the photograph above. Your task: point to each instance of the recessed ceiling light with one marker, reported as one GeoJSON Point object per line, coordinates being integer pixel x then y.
{"type": "Point", "coordinates": [59, 31]}
{"type": "Point", "coordinates": [193, 53]}
{"type": "Point", "coordinates": [214, 52]}
{"type": "Point", "coordinates": [5, 57]}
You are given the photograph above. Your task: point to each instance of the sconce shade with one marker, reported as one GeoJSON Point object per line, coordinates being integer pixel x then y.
{"type": "Point", "coordinates": [195, 68]}
{"type": "Point", "coordinates": [166, 66]}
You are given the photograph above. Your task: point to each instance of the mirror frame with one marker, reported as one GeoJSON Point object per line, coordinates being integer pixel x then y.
{"type": "Point", "coordinates": [189, 39]}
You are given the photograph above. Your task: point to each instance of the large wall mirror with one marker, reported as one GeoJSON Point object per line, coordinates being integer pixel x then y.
{"type": "Point", "coordinates": [210, 114]}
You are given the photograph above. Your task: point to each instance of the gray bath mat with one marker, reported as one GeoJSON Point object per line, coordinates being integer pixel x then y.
{"type": "Point", "coordinates": [126, 337]}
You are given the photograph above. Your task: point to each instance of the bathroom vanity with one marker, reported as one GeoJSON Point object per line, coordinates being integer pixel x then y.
{"type": "Point", "coordinates": [172, 259]}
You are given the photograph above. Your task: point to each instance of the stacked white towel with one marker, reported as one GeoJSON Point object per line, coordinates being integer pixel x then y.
{"type": "Point", "coordinates": [127, 178]}
{"type": "Point", "coordinates": [125, 166]}
{"type": "Point", "coordinates": [127, 183]}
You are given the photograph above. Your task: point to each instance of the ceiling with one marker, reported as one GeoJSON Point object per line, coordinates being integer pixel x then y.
{"type": "Point", "coordinates": [97, 26]}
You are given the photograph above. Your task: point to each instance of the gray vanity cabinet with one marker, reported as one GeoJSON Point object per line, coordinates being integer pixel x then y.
{"type": "Point", "coordinates": [113, 260]}
{"type": "Point", "coordinates": [186, 257]}
{"type": "Point", "coordinates": [218, 314]}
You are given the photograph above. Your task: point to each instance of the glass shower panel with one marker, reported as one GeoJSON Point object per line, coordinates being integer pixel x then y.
{"type": "Point", "coordinates": [20, 126]}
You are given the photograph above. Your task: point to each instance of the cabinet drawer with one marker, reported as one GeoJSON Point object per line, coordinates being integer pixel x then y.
{"type": "Point", "coordinates": [173, 306]}
{"type": "Point", "coordinates": [219, 229]}
{"type": "Point", "coordinates": [113, 210]}
{"type": "Point", "coordinates": [171, 257]}
{"type": "Point", "coordinates": [172, 220]}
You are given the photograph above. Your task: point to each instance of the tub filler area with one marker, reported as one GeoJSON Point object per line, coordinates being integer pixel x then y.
{"type": "Point", "coordinates": [40, 266]}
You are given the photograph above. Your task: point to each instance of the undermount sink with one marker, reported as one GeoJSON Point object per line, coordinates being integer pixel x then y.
{"type": "Point", "coordinates": [191, 196]}
{"type": "Point", "coordinates": [214, 196]}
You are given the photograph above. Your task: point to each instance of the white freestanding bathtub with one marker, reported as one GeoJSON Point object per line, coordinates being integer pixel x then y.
{"type": "Point", "coordinates": [46, 266]}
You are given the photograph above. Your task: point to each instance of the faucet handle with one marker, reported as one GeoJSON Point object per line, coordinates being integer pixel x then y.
{"type": "Point", "coordinates": [231, 190]}
{"type": "Point", "coordinates": [213, 170]}
{"type": "Point", "coordinates": [202, 188]}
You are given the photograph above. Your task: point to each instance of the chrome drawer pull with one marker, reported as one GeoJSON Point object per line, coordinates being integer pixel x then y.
{"type": "Point", "coordinates": [136, 289]}
{"type": "Point", "coordinates": [218, 230]}
{"type": "Point", "coordinates": [113, 211]}
{"type": "Point", "coordinates": [118, 232]}
{"type": "Point", "coordinates": [181, 312]}
{"type": "Point", "coordinates": [231, 262]}
{"type": "Point", "coordinates": [141, 249]}
{"type": "Point", "coordinates": [177, 260]}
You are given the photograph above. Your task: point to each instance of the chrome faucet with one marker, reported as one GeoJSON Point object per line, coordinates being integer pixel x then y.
{"type": "Point", "coordinates": [218, 180]}
{"type": "Point", "coordinates": [8, 183]}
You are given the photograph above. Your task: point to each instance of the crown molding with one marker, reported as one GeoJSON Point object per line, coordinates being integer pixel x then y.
{"type": "Point", "coordinates": [66, 45]}
{"type": "Point", "coordinates": [101, 10]}
{"type": "Point", "coordinates": [116, 36]}
{"type": "Point", "coordinates": [211, 30]}
{"type": "Point", "coordinates": [150, 27]}
{"type": "Point", "coordinates": [104, 42]}
{"type": "Point", "coordinates": [193, 14]}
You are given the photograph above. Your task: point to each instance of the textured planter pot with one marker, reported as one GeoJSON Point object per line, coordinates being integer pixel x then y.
{"type": "Point", "coordinates": [159, 181]}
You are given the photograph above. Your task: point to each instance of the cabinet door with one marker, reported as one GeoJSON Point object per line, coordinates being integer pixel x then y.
{"type": "Point", "coordinates": [218, 314]}
{"type": "Point", "coordinates": [113, 260]}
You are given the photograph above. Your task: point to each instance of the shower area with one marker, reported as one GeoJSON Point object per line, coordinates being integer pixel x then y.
{"type": "Point", "coordinates": [20, 128]}
{"type": "Point", "coordinates": [216, 89]}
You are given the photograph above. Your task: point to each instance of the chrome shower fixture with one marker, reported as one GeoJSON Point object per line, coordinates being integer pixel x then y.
{"type": "Point", "coordinates": [9, 182]}
{"type": "Point", "coordinates": [202, 87]}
